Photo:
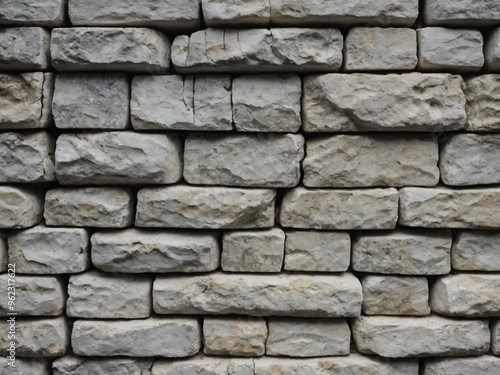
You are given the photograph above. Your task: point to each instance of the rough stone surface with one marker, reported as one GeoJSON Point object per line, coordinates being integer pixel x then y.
{"type": "Point", "coordinates": [393, 102]}
{"type": "Point", "coordinates": [339, 209]}
{"type": "Point", "coordinates": [198, 365]}
{"type": "Point", "coordinates": [153, 337]}
{"type": "Point", "coordinates": [43, 250]}
{"type": "Point", "coordinates": [476, 251]}
{"type": "Point", "coordinates": [241, 13]}
{"type": "Point", "coordinates": [24, 48]}
{"type": "Point", "coordinates": [92, 49]}
{"type": "Point", "coordinates": [267, 103]}
{"type": "Point", "coordinates": [403, 252]}
{"type": "Point", "coordinates": [258, 51]}
{"type": "Point", "coordinates": [484, 365]}
{"type": "Point", "coordinates": [492, 51]}
{"type": "Point", "coordinates": [317, 251]}
{"type": "Point", "coordinates": [308, 338]}
{"type": "Point", "coordinates": [48, 13]}
{"type": "Point", "coordinates": [118, 158]}
{"type": "Point", "coordinates": [194, 207]}
{"type": "Point", "coordinates": [26, 157]}
{"type": "Point", "coordinates": [252, 160]}
{"type": "Point", "coordinates": [4, 255]}
{"type": "Point", "coordinates": [288, 295]}
{"type": "Point", "coordinates": [138, 251]}
{"type": "Point", "coordinates": [462, 13]}
{"type": "Point", "coordinates": [72, 365]}
{"type": "Point", "coordinates": [495, 337]}
{"type": "Point", "coordinates": [378, 49]}
{"type": "Point", "coordinates": [371, 160]}
{"type": "Point", "coordinates": [25, 366]}
{"type": "Point", "coordinates": [483, 103]}
{"type": "Point", "coordinates": [397, 337]}
{"type": "Point", "coordinates": [213, 102]}
{"type": "Point", "coordinates": [20, 207]}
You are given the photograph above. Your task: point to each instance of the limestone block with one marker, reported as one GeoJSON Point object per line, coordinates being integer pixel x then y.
{"type": "Point", "coordinates": [133, 50]}
{"type": "Point", "coordinates": [152, 337]}
{"type": "Point", "coordinates": [397, 337]}
{"type": "Point", "coordinates": [118, 158]}
{"type": "Point", "coordinates": [73, 365]}
{"type": "Point", "coordinates": [492, 51]}
{"type": "Point", "coordinates": [139, 251]}
{"type": "Point", "coordinates": [197, 365]}
{"type": "Point", "coordinates": [371, 160]}
{"type": "Point", "coordinates": [267, 103]}
{"type": "Point", "coordinates": [403, 252]}
{"type": "Point", "coordinates": [44, 250]}
{"type": "Point", "coordinates": [25, 366]}
{"type": "Point", "coordinates": [483, 103]}
{"type": "Point", "coordinates": [379, 49]}
{"type": "Point", "coordinates": [20, 207]}
{"type": "Point", "coordinates": [183, 206]}
{"type": "Point", "coordinates": [26, 157]}
{"type": "Point", "coordinates": [317, 251]}
{"type": "Point", "coordinates": [308, 337]}
{"type": "Point", "coordinates": [248, 160]}
{"type": "Point", "coordinates": [213, 102]}
{"type": "Point", "coordinates": [339, 209]}
{"type": "Point", "coordinates": [24, 48]}
{"type": "Point", "coordinates": [478, 13]}
{"type": "Point", "coordinates": [495, 337]}
{"type": "Point", "coordinates": [258, 51]}
{"type": "Point", "coordinates": [240, 13]}
{"type": "Point", "coordinates": [241, 366]}
{"type": "Point", "coordinates": [47, 13]}
{"type": "Point", "coordinates": [394, 102]}
{"type": "Point", "coordinates": [476, 251]}
{"type": "Point", "coordinates": [483, 365]}
{"type": "Point", "coordinates": [4, 255]}
{"type": "Point", "coordinates": [259, 295]}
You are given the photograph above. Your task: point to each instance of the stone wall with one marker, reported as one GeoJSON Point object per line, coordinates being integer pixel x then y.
{"type": "Point", "coordinates": [250, 187]}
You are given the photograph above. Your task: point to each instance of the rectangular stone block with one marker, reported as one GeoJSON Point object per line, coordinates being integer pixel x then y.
{"type": "Point", "coordinates": [259, 295]}
{"type": "Point", "coordinates": [183, 206]}
{"type": "Point", "coordinates": [240, 13]}
{"type": "Point", "coordinates": [196, 365]}
{"type": "Point", "coordinates": [395, 102]}
{"type": "Point", "coordinates": [371, 160]}
{"type": "Point", "coordinates": [73, 365]}
{"type": "Point", "coordinates": [118, 158]}
{"type": "Point", "coordinates": [492, 51]}
{"type": "Point", "coordinates": [133, 50]}
{"type": "Point", "coordinates": [247, 160]}
{"type": "Point", "coordinates": [24, 48]}
{"type": "Point", "coordinates": [258, 51]}
{"type": "Point", "coordinates": [339, 209]}
{"type": "Point", "coordinates": [398, 337]}
{"type": "Point", "coordinates": [476, 251]}
{"type": "Point", "coordinates": [483, 103]}
{"type": "Point", "coordinates": [20, 207]}
{"type": "Point", "coordinates": [478, 13]}
{"type": "Point", "coordinates": [25, 366]}
{"type": "Point", "coordinates": [140, 251]}
{"type": "Point", "coordinates": [495, 337]}
{"type": "Point", "coordinates": [48, 13]}
{"type": "Point", "coordinates": [152, 337]}
{"type": "Point", "coordinates": [483, 365]}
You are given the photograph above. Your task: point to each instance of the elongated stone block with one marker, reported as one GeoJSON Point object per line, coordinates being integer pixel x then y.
{"type": "Point", "coordinates": [25, 366]}
{"type": "Point", "coordinates": [196, 365]}
{"type": "Point", "coordinates": [461, 13]}
{"type": "Point", "coordinates": [24, 48]}
{"type": "Point", "coordinates": [483, 103]}
{"type": "Point", "coordinates": [492, 51]}
{"type": "Point", "coordinates": [20, 207]}
{"type": "Point", "coordinates": [476, 251]}
{"type": "Point", "coordinates": [47, 13]}
{"type": "Point", "coordinates": [483, 365]}
{"type": "Point", "coordinates": [240, 13]}
{"type": "Point", "coordinates": [73, 365]}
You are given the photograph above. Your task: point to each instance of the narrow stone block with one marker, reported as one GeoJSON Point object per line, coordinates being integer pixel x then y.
{"type": "Point", "coordinates": [483, 103]}
{"type": "Point", "coordinates": [492, 50]}
{"type": "Point", "coordinates": [73, 365]}
{"type": "Point", "coordinates": [24, 48]}
{"type": "Point", "coordinates": [20, 207]}
{"type": "Point", "coordinates": [48, 13]}
{"type": "Point", "coordinates": [25, 366]}
{"type": "Point", "coordinates": [4, 255]}
{"type": "Point", "coordinates": [478, 13]}
{"type": "Point", "coordinates": [483, 365]}
{"type": "Point", "coordinates": [197, 365]}
{"type": "Point", "coordinates": [240, 13]}
{"type": "Point", "coordinates": [476, 251]}
{"type": "Point", "coordinates": [495, 337]}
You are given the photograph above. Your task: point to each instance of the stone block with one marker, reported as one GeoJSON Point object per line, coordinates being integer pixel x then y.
{"type": "Point", "coordinates": [495, 337]}
{"type": "Point", "coordinates": [4, 255]}
{"type": "Point", "coordinates": [48, 13]}
{"type": "Point", "coordinates": [20, 207]}
{"type": "Point", "coordinates": [198, 365]}
{"type": "Point", "coordinates": [483, 365]}
{"type": "Point", "coordinates": [213, 102]}
{"type": "Point", "coordinates": [25, 366]}
{"type": "Point", "coordinates": [483, 103]}
{"type": "Point", "coordinates": [476, 251]}
{"type": "Point", "coordinates": [240, 13]}
{"type": "Point", "coordinates": [478, 13]}
{"type": "Point", "coordinates": [73, 365]}
{"type": "Point", "coordinates": [24, 48]}
{"type": "Point", "coordinates": [492, 50]}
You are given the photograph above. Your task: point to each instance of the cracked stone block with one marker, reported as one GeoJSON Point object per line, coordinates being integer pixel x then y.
{"type": "Point", "coordinates": [20, 207]}
{"type": "Point", "coordinates": [476, 251]}
{"type": "Point", "coordinates": [47, 13]}
{"type": "Point", "coordinates": [24, 48]}
{"type": "Point", "coordinates": [479, 13]}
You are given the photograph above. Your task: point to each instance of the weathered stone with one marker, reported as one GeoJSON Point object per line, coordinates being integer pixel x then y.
{"type": "Point", "coordinates": [495, 337]}
{"type": "Point", "coordinates": [20, 207]}
{"type": "Point", "coordinates": [308, 338]}
{"type": "Point", "coordinates": [234, 336]}
{"type": "Point", "coordinates": [213, 102]}
{"type": "Point", "coordinates": [371, 160]}
{"type": "Point", "coordinates": [377, 48]}
{"type": "Point", "coordinates": [403, 252]}
{"type": "Point", "coordinates": [43, 250]}
{"type": "Point", "coordinates": [152, 337]}
{"type": "Point", "coordinates": [259, 295]}
{"type": "Point", "coordinates": [138, 251]}
{"type": "Point", "coordinates": [449, 208]}
{"type": "Point", "coordinates": [240, 13]}
{"type": "Point", "coordinates": [394, 295]}
{"type": "Point", "coordinates": [476, 251]}
{"type": "Point", "coordinates": [252, 160]}
{"type": "Point", "coordinates": [241, 366]}
{"type": "Point", "coordinates": [258, 51]}
{"type": "Point", "coordinates": [118, 158]}
{"type": "Point", "coordinates": [317, 251]}
{"type": "Point", "coordinates": [91, 101]}
{"type": "Point", "coordinates": [253, 251]}
{"type": "Point", "coordinates": [195, 207]}
{"type": "Point", "coordinates": [94, 49]}
{"type": "Point", "coordinates": [339, 209]}
{"type": "Point", "coordinates": [35, 296]}
{"type": "Point", "coordinates": [25, 366]}
{"type": "Point", "coordinates": [483, 365]}
{"type": "Point", "coordinates": [24, 48]}
{"type": "Point", "coordinates": [72, 365]}
{"type": "Point", "coordinates": [483, 103]}
{"type": "Point", "coordinates": [267, 103]}
{"type": "Point", "coordinates": [4, 255]}
{"type": "Point", "coordinates": [492, 51]}
{"type": "Point", "coordinates": [198, 365]}
{"type": "Point", "coordinates": [26, 157]}
{"type": "Point", "coordinates": [462, 12]}
{"type": "Point", "coordinates": [393, 102]}
{"type": "Point", "coordinates": [48, 13]}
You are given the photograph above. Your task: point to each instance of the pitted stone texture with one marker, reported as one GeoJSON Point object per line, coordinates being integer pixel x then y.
{"type": "Point", "coordinates": [253, 251]}
{"type": "Point", "coordinates": [394, 295]}
{"type": "Point", "coordinates": [118, 158]}
{"type": "Point", "coordinates": [258, 51]}
{"type": "Point", "coordinates": [152, 337]}
{"type": "Point", "coordinates": [25, 366]}
{"type": "Point", "coordinates": [240, 13]}
{"type": "Point", "coordinates": [339, 209]}
{"type": "Point", "coordinates": [267, 103]}
{"type": "Point", "coordinates": [403, 252]}
{"type": "Point", "coordinates": [367, 102]}
{"type": "Point", "coordinates": [449, 208]}
{"type": "Point", "coordinates": [43, 250]}
{"type": "Point", "coordinates": [371, 160]}
{"type": "Point", "coordinates": [241, 366]}
{"type": "Point", "coordinates": [397, 337]}
{"type": "Point", "coordinates": [247, 160]}
{"type": "Point", "coordinates": [35, 296]}
{"type": "Point", "coordinates": [308, 337]}
{"type": "Point", "coordinates": [483, 365]}
{"type": "Point", "coordinates": [213, 102]}
{"type": "Point", "coordinates": [94, 49]}
{"type": "Point", "coordinates": [4, 255]}
{"type": "Point", "coordinates": [483, 103]}
{"type": "Point", "coordinates": [476, 251]}
{"type": "Point", "coordinates": [26, 157]}
{"type": "Point", "coordinates": [24, 48]}
{"type": "Point", "coordinates": [72, 365]}
{"type": "Point", "coordinates": [201, 365]}
{"type": "Point", "coordinates": [317, 251]}
{"type": "Point", "coordinates": [379, 49]}
{"type": "Point", "coordinates": [20, 207]}
{"type": "Point", "coordinates": [259, 295]}
{"type": "Point", "coordinates": [183, 206]}
{"type": "Point", "coordinates": [242, 337]}
{"type": "Point", "coordinates": [47, 13]}
{"type": "Point", "coordinates": [462, 13]}
{"type": "Point", "coordinates": [495, 337]}
{"type": "Point", "coordinates": [492, 51]}
{"type": "Point", "coordinates": [139, 251]}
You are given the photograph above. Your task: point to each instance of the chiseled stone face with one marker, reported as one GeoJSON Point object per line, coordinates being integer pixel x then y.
{"type": "Point", "coordinates": [476, 251]}
{"type": "Point", "coordinates": [24, 48]}
{"type": "Point", "coordinates": [461, 13]}
{"type": "Point", "coordinates": [72, 365]}
{"type": "Point", "coordinates": [483, 103]}
{"type": "Point", "coordinates": [4, 255]}
{"type": "Point", "coordinates": [47, 13]}
{"type": "Point", "coordinates": [20, 207]}
{"type": "Point", "coordinates": [25, 366]}
{"type": "Point", "coordinates": [213, 102]}
{"type": "Point", "coordinates": [495, 337]}
{"type": "Point", "coordinates": [483, 365]}
{"type": "Point", "coordinates": [492, 51]}
{"type": "Point", "coordinates": [201, 365]}
{"type": "Point", "coordinates": [241, 13]}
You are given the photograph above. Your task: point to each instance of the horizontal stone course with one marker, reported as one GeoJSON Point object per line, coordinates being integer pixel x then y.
{"type": "Point", "coordinates": [48, 13]}
{"type": "Point", "coordinates": [24, 48]}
